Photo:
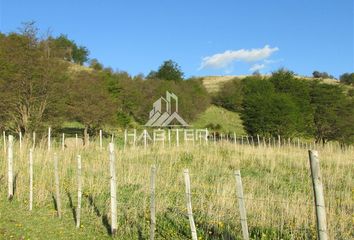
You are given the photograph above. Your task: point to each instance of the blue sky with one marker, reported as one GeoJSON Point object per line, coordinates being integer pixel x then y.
{"type": "Point", "coordinates": [203, 37]}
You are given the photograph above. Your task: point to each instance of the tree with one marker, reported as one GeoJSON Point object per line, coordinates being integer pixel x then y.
{"type": "Point", "coordinates": [317, 74]}
{"type": "Point", "coordinates": [284, 81]}
{"type": "Point", "coordinates": [170, 71]}
{"type": "Point", "coordinates": [32, 81]}
{"type": "Point", "coordinates": [230, 95]}
{"type": "Point", "coordinates": [326, 101]}
{"type": "Point", "coordinates": [344, 125]}
{"type": "Point", "coordinates": [72, 52]}
{"type": "Point", "coordinates": [266, 112]}
{"type": "Point", "coordinates": [95, 64]}
{"type": "Point", "coordinates": [89, 102]}
{"type": "Point", "coordinates": [347, 78]}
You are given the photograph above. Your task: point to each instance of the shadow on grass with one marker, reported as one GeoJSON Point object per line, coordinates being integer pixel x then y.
{"type": "Point", "coordinates": [73, 209]}
{"type": "Point", "coordinates": [96, 210]}
{"type": "Point", "coordinates": [55, 203]}
{"type": "Point", "coordinates": [14, 188]}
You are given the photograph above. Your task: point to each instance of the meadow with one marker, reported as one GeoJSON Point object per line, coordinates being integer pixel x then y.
{"type": "Point", "coordinates": [276, 183]}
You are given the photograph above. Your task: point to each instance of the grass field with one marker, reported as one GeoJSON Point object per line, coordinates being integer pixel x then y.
{"type": "Point", "coordinates": [276, 181]}
{"type": "Point", "coordinates": [228, 121]}
{"type": "Point", "coordinates": [214, 83]}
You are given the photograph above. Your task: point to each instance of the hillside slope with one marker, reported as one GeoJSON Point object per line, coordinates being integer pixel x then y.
{"type": "Point", "coordinates": [213, 83]}
{"type": "Point", "coordinates": [227, 120]}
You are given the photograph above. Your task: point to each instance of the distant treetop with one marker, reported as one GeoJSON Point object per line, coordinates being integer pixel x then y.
{"type": "Point", "coordinates": [169, 70]}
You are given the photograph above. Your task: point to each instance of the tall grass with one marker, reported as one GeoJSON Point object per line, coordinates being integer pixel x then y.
{"type": "Point", "coordinates": [276, 181]}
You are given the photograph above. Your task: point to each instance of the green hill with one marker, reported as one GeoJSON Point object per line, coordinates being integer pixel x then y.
{"type": "Point", "coordinates": [227, 120]}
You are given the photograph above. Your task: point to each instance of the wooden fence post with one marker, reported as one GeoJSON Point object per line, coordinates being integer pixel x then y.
{"type": "Point", "coordinates": [134, 138]}
{"type": "Point", "coordinates": [152, 203]}
{"type": "Point", "coordinates": [279, 141]}
{"type": "Point", "coordinates": [145, 138]}
{"type": "Point", "coordinates": [31, 179]}
{"type": "Point", "coordinates": [241, 204]}
{"type": "Point", "coordinates": [4, 135]}
{"type": "Point", "coordinates": [34, 139]}
{"type": "Point", "coordinates": [57, 187]}
{"type": "Point", "coordinates": [76, 140]}
{"type": "Point", "coordinates": [79, 192]}
{"type": "Point", "coordinates": [63, 142]}
{"type": "Point", "coordinates": [169, 137]}
{"type": "Point", "coordinates": [10, 159]}
{"type": "Point", "coordinates": [100, 140]}
{"type": "Point", "coordinates": [177, 137]}
{"type": "Point", "coordinates": [49, 133]}
{"type": "Point", "coordinates": [113, 190]}
{"type": "Point", "coordinates": [20, 141]}
{"type": "Point", "coordinates": [125, 138]}
{"type": "Point", "coordinates": [318, 195]}
{"type": "Point", "coordinates": [189, 204]}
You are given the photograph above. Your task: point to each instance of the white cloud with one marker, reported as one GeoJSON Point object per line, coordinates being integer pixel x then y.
{"type": "Point", "coordinates": [222, 60]}
{"type": "Point", "coordinates": [257, 67]}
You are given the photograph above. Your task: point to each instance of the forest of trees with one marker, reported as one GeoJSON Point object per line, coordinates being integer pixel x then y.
{"type": "Point", "coordinates": [40, 87]}
{"type": "Point", "coordinates": [285, 105]}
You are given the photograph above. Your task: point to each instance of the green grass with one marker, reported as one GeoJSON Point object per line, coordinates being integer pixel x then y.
{"type": "Point", "coordinates": [229, 121]}
{"type": "Point", "coordinates": [16, 222]}
{"type": "Point", "coordinates": [276, 181]}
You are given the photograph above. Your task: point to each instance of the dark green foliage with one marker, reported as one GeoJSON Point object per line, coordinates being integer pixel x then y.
{"type": "Point", "coordinates": [135, 96]}
{"type": "Point", "coordinates": [169, 71]}
{"type": "Point", "coordinates": [89, 102]}
{"type": "Point", "coordinates": [32, 81]}
{"type": "Point", "coordinates": [345, 123]}
{"type": "Point", "coordinates": [269, 114]}
{"type": "Point", "coordinates": [317, 74]}
{"type": "Point", "coordinates": [347, 78]}
{"type": "Point", "coordinates": [95, 64]}
{"type": "Point", "coordinates": [71, 51]}
{"type": "Point", "coordinates": [230, 96]}
{"type": "Point", "coordinates": [329, 102]}
{"type": "Point", "coordinates": [298, 90]}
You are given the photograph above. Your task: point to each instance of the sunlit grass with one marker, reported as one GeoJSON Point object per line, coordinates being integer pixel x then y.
{"type": "Point", "coordinates": [276, 182]}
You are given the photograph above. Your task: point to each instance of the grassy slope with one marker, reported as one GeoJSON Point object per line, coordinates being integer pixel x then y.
{"type": "Point", "coordinates": [276, 184]}
{"type": "Point", "coordinates": [229, 121]}
{"type": "Point", "coordinates": [213, 83]}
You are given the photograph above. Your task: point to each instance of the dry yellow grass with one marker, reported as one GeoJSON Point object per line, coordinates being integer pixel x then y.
{"type": "Point", "coordinates": [276, 181]}
{"type": "Point", "coordinates": [214, 83]}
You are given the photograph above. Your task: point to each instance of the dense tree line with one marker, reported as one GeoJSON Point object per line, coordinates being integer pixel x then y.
{"type": "Point", "coordinates": [41, 86]}
{"type": "Point", "coordinates": [285, 105]}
